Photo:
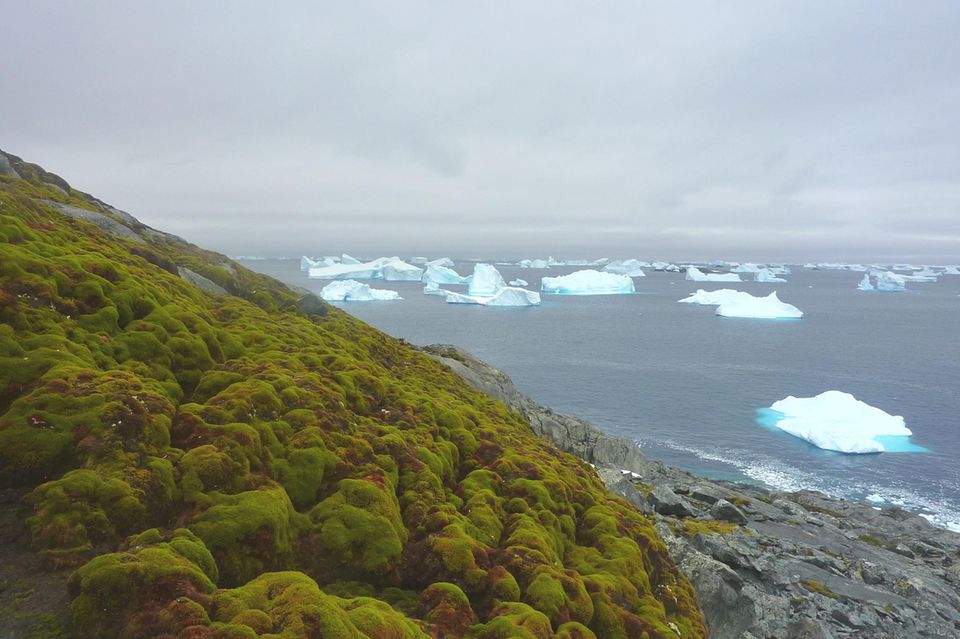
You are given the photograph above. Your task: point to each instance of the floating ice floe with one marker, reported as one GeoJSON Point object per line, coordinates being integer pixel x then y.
{"type": "Point", "coordinates": [882, 281]}
{"type": "Point", "coordinates": [665, 266]}
{"type": "Point", "coordinates": [487, 288]}
{"type": "Point", "coordinates": [751, 307]}
{"type": "Point", "coordinates": [383, 268]}
{"type": "Point", "coordinates": [630, 268]}
{"type": "Point", "coordinates": [432, 288]}
{"type": "Point", "coordinates": [519, 282]}
{"type": "Point", "coordinates": [836, 266]}
{"type": "Point", "coordinates": [443, 275]}
{"type": "Point", "coordinates": [533, 264]}
{"type": "Point", "coordinates": [714, 298]}
{"type": "Point", "coordinates": [696, 275]}
{"type": "Point", "coordinates": [951, 270]}
{"type": "Point", "coordinates": [766, 275]}
{"type": "Point", "coordinates": [353, 291]}
{"type": "Point", "coordinates": [838, 421]}
{"type": "Point", "coordinates": [587, 282]}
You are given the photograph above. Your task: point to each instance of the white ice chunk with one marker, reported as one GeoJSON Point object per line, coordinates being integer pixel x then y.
{"type": "Point", "coordinates": [696, 275]}
{"type": "Point", "coordinates": [346, 259]}
{"type": "Point", "coordinates": [419, 260]}
{"type": "Point", "coordinates": [746, 267]}
{"type": "Point", "coordinates": [506, 296]}
{"type": "Point", "coordinates": [587, 282]}
{"type": "Point", "coordinates": [951, 270]}
{"type": "Point", "coordinates": [443, 275]}
{"type": "Point", "coordinates": [486, 280]}
{"type": "Point", "coordinates": [432, 288]}
{"type": "Point", "coordinates": [445, 262]}
{"type": "Point", "coordinates": [368, 271]}
{"type": "Point", "coordinates": [889, 281]}
{"type": "Point", "coordinates": [533, 264]}
{"type": "Point", "coordinates": [353, 291]}
{"type": "Point", "coordinates": [630, 268]}
{"type": "Point", "coordinates": [865, 284]}
{"type": "Point", "coordinates": [398, 270]}
{"type": "Point", "coordinates": [714, 298]}
{"type": "Point", "coordinates": [519, 282]}
{"type": "Point", "coordinates": [769, 307]}
{"type": "Point", "coordinates": [665, 266]}
{"type": "Point", "coordinates": [838, 421]}
{"type": "Point", "coordinates": [766, 275]}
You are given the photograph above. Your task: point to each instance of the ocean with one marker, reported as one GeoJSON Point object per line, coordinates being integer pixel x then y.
{"type": "Point", "coordinates": [689, 387]}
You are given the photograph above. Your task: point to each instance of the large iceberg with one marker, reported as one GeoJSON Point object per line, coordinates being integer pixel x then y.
{"type": "Point", "coordinates": [696, 275]}
{"type": "Point", "coordinates": [766, 275]}
{"type": "Point", "coordinates": [353, 291]}
{"type": "Point", "coordinates": [884, 281]}
{"type": "Point", "coordinates": [443, 275]}
{"type": "Point", "coordinates": [714, 298]}
{"type": "Point", "coordinates": [506, 296]}
{"type": "Point", "coordinates": [769, 307]}
{"type": "Point", "coordinates": [486, 280]}
{"type": "Point", "coordinates": [533, 264]}
{"type": "Point", "coordinates": [588, 282]}
{"type": "Point", "coordinates": [630, 268]}
{"type": "Point", "coordinates": [838, 421]}
{"type": "Point", "coordinates": [383, 268]}
{"type": "Point", "coordinates": [347, 259]}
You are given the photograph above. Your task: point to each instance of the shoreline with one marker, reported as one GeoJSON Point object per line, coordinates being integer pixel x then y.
{"type": "Point", "coordinates": [765, 562]}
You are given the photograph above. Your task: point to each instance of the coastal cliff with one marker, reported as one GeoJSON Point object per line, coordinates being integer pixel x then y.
{"type": "Point", "coordinates": [190, 449]}
{"type": "Point", "coordinates": [766, 564]}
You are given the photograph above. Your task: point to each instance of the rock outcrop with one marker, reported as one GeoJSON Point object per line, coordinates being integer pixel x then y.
{"type": "Point", "coordinates": [767, 564]}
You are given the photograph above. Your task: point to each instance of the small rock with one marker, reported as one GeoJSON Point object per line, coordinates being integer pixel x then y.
{"type": "Point", "coordinates": [666, 502]}
{"type": "Point", "coordinates": [725, 511]}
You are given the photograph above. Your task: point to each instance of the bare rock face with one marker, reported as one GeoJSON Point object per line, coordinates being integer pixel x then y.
{"type": "Point", "coordinates": [204, 284]}
{"type": "Point", "coordinates": [5, 167]}
{"type": "Point", "coordinates": [105, 222]}
{"type": "Point", "coordinates": [767, 564]}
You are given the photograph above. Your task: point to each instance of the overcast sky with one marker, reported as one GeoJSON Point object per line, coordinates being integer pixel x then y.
{"type": "Point", "coordinates": [679, 130]}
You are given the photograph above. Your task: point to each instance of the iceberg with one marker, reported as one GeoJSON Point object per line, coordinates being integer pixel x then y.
{"type": "Point", "coordinates": [443, 275]}
{"type": "Point", "coordinates": [865, 284]}
{"type": "Point", "coordinates": [769, 307]}
{"type": "Point", "coordinates": [746, 267]}
{"type": "Point", "coordinates": [397, 270]}
{"type": "Point", "coordinates": [353, 291]}
{"type": "Point", "coordinates": [665, 266]}
{"type": "Point", "coordinates": [630, 268]}
{"type": "Point", "coordinates": [419, 260]}
{"type": "Point", "coordinates": [506, 296]}
{"type": "Point", "coordinates": [486, 280]}
{"type": "Point", "coordinates": [838, 421]}
{"type": "Point", "coordinates": [588, 282]}
{"type": "Point", "coordinates": [432, 288]}
{"type": "Point", "coordinates": [766, 275]}
{"type": "Point", "coordinates": [519, 282]}
{"type": "Point", "coordinates": [306, 263]}
{"type": "Point", "coordinates": [951, 270]}
{"type": "Point", "coordinates": [533, 264]}
{"type": "Point", "coordinates": [346, 259]}
{"type": "Point", "coordinates": [383, 268]}
{"type": "Point", "coordinates": [696, 275]}
{"type": "Point", "coordinates": [714, 298]}
{"type": "Point", "coordinates": [886, 281]}
{"type": "Point", "coordinates": [445, 262]}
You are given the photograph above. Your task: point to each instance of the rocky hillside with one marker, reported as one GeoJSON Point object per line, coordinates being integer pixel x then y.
{"type": "Point", "coordinates": [767, 564]}
{"type": "Point", "coordinates": [189, 449]}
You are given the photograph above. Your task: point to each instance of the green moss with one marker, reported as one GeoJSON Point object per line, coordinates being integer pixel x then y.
{"type": "Point", "coordinates": [815, 586]}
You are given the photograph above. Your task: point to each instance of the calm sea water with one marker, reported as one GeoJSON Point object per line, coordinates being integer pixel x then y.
{"type": "Point", "coordinates": [687, 385]}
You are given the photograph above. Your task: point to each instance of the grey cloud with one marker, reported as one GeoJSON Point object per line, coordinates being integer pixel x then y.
{"type": "Point", "coordinates": [773, 130]}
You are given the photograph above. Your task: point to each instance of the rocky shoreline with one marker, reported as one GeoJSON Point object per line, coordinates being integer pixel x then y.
{"type": "Point", "coordinates": [766, 564]}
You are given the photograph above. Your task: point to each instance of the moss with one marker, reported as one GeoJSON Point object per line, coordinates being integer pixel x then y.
{"type": "Point", "coordinates": [285, 439]}
{"type": "Point", "coordinates": [873, 540]}
{"type": "Point", "coordinates": [815, 586]}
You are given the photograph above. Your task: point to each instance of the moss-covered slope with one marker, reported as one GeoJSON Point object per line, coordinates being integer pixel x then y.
{"type": "Point", "coordinates": [260, 465]}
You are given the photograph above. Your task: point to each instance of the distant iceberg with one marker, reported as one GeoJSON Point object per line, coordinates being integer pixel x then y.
{"type": "Point", "coordinates": [506, 296]}
{"type": "Point", "coordinates": [630, 268]}
{"type": "Point", "coordinates": [346, 259]}
{"type": "Point", "coordinates": [353, 291]}
{"type": "Point", "coordinates": [838, 421]}
{"type": "Point", "coordinates": [486, 280]}
{"type": "Point", "coordinates": [533, 264]}
{"type": "Point", "coordinates": [746, 267]}
{"type": "Point", "coordinates": [432, 288]}
{"type": "Point", "coordinates": [588, 282]}
{"type": "Point", "coordinates": [696, 275]}
{"type": "Point", "coordinates": [383, 268]}
{"type": "Point", "coordinates": [665, 266]}
{"type": "Point", "coordinates": [419, 260]}
{"type": "Point", "coordinates": [445, 262]}
{"type": "Point", "coordinates": [883, 281]}
{"type": "Point", "coordinates": [951, 270]}
{"type": "Point", "coordinates": [865, 284]}
{"type": "Point", "coordinates": [766, 275]}
{"type": "Point", "coordinates": [714, 298]}
{"type": "Point", "coordinates": [769, 307]}
{"type": "Point", "coordinates": [519, 282]}
{"type": "Point", "coordinates": [443, 275]}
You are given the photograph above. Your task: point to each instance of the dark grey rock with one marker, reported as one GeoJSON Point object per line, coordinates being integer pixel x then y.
{"type": "Point", "coordinates": [725, 511]}
{"type": "Point", "coordinates": [666, 502]}
{"type": "Point", "coordinates": [6, 168]}
{"type": "Point", "coordinates": [204, 284]}
{"type": "Point", "coordinates": [105, 222]}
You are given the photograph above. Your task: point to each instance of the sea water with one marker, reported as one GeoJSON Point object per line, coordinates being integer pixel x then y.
{"type": "Point", "coordinates": [687, 385]}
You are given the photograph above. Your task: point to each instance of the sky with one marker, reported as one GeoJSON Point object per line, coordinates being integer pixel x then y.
{"type": "Point", "coordinates": [763, 130]}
